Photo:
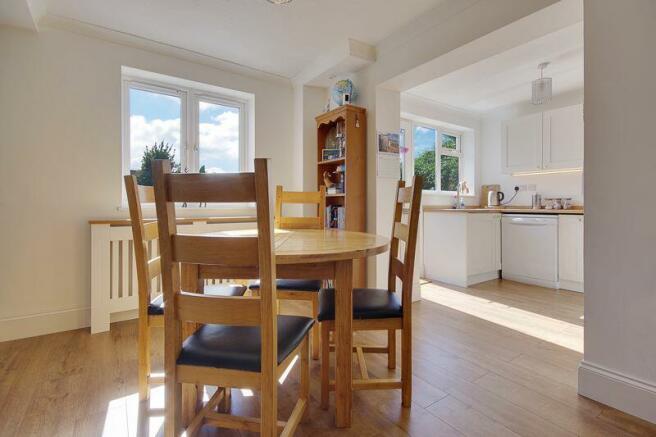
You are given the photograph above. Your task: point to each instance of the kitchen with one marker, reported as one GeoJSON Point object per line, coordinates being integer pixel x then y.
{"type": "Point", "coordinates": [507, 199]}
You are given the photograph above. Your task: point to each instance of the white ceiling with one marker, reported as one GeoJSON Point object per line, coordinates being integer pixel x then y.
{"type": "Point", "coordinates": [254, 33]}
{"type": "Point", "coordinates": [506, 78]}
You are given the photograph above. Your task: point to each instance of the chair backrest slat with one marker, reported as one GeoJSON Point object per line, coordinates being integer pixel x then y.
{"type": "Point", "coordinates": [401, 231]}
{"type": "Point", "coordinates": [146, 194]}
{"type": "Point", "coordinates": [218, 187]}
{"type": "Point", "coordinates": [213, 271]}
{"type": "Point", "coordinates": [317, 198]}
{"type": "Point", "coordinates": [151, 231]}
{"type": "Point", "coordinates": [154, 268]}
{"type": "Point", "coordinates": [224, 251]}
{"type": "Point", "coordinates": [406, 232]}
{"type": "Point", "coordinates": [142, 233]}
{"type": "Point", "coordinates": [238, 311]}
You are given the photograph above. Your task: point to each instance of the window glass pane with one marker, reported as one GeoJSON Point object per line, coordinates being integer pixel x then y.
{"type": "Point", "coordinates": [218, 138]}
{"type": "Point", "coordinates": [449, 173]}
{"type": "Point", "coordinates": [424, 155]}
{"type": "Point", "coordinates": [449, 141]}
{"type": "Point", "coordinates": [154, 124]}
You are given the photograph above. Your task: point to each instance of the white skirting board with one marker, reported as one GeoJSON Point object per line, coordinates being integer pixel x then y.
{"type": "Point", "coordinates": [15, 328]}
{"type": "Point", "coordinates": [618, 391]}
{"type": "Point", "coordinates": [45, 323]}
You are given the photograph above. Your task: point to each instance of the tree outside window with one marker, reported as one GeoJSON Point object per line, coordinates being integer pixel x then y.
{"type": "Point", "coordinates": [430, 143]}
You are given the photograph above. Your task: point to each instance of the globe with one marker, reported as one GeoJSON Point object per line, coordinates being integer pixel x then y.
{"type": "Point", "coordinates": [341, 87]}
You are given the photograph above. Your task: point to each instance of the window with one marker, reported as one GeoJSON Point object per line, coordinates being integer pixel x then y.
{"type": "Point", "coordinates": [204, 129]}
{"type": "Point", "coordinates": [437, 156]}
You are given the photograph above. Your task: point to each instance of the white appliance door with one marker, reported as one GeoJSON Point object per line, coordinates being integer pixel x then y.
{"type": "Point", "coordinates": [530, 248]}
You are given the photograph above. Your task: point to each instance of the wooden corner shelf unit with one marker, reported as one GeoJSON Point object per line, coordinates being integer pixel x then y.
{"type": "Point", "coordinates": [349, 122]}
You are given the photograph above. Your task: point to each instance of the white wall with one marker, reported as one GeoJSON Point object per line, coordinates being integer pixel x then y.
{"type": "Point", "coordinates": [619, 367]}
{"type": "Point", "coordinates": [561, 185]}
{"type": "Point", "coordinates": [60, 159]}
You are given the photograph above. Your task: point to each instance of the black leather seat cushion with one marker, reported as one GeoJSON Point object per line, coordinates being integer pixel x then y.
{"type": "Point", "coordinates": [156, 306]}
{"type": "Point", "coordinates": [238, 347]}
{"type": "Point", "coordinates": [294, 285]}
{"type": "Point", "coordinates": [368, 303]}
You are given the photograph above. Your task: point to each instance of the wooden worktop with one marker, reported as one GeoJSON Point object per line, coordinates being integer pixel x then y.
{"type": "Point", "coordinates": [505, 209]}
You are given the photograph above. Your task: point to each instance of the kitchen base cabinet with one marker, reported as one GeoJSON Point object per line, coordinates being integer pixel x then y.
{"type": "Point", "coordinates": [570, 252]}
{"type": "Point", "coordinates": [461, 248]}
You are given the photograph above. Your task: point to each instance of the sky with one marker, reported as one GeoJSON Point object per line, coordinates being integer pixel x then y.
{"type": "Point", "coordinates": [156, 117]}
{"type": "Point", "coordinates": [423, 140]}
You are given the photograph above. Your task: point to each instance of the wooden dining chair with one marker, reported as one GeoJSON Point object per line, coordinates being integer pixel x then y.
{"type": "Point", "coordinates": [151, 308]}
{"type": "Point", "coordinates": [301, 289]}
{"type": "Point", "coordinates": [381, 309]}
{"type": "Point", "coordinates": [242, 343]}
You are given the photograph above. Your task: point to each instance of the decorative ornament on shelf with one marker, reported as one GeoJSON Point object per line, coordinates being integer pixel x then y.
{"type": "Point", "coordinates": [327, 179]}
{"type": "Point", "coordinates": [343, 92]}
{"type": "Point", "coordinates": [541, 89]}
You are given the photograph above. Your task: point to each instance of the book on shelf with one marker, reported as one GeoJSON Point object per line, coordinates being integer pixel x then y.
{"type": "Point", "coordinates": [335, 190]}
{"type": "Point", "coordinates": [335, 217]}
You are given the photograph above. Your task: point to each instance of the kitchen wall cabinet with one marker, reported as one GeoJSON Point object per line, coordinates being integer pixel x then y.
{"type": "Point", "coordinates": [562, 138]}
{"type": "Point", "coordinates": [461, 248]}
{"type": "Point", "coordinates": [570, 252]}
{"type": "Point", "coordinates": [521, 143]}
{"type": "Point", "coordinates": [548, 140]}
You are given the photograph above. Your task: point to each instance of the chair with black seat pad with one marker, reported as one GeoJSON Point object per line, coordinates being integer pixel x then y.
{"type": "Point", "coordinates": [301, 289]}
{"type": "Point", "coordinates": [242, 343]}
{"type": "Point", "coordinates": [151, 308]}
{"type": "Point", "coordinates": [382, 309]}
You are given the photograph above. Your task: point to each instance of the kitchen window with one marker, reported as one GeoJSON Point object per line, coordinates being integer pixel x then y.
{"type": "Point", "coordinates": [203, 129]}
{"type": "Point", "coordinates": [437, 156]}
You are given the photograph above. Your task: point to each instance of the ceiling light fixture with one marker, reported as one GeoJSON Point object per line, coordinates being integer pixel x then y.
{"type": "Point", "coordinates": [279, 2]}
{"type": "Point", "coordinates": [541, 90]}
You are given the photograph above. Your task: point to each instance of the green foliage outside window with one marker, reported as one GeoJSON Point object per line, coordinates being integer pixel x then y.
{"type": "Point", "coordinates": [157, 151]}
{"type": "Point", "coordinates": [449, 173]}
{"type": "Point", "coordinates": [425, 167]}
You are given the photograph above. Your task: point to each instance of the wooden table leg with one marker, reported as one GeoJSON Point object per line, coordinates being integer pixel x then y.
{"type": "Point", "coordinates": [343, 342]}
{"type": "Point", "coordinates": [190, 393]}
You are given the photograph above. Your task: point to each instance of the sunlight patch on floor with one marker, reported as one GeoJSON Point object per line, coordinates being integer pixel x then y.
{"type": "Point", "coordinates": [126, 417]}
{"type": "Point", "coordinates": [545, 328]}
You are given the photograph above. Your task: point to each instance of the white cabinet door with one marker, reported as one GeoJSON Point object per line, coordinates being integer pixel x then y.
{"type": "Point", "coordinates": [445, 247]}
{"type": "Point", "coordinates": [521, 144]}
{"type": "Point", "coordinates": [562, 138]}
{"type": "Point", "coordinates": [570, 252]}
{"type": "Point", "coordinates": [483, 243]}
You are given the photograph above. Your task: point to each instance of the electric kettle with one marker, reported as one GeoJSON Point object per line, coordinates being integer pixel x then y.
{"type": "Point", "coordinates": [494, 198]}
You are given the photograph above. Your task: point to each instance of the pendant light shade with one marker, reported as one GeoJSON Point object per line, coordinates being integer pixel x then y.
{"type": "Point", "coordinates": [541, 90]}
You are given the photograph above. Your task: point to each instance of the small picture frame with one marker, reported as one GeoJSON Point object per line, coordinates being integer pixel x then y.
{"type": "Point", "coordinates": [329, 154]}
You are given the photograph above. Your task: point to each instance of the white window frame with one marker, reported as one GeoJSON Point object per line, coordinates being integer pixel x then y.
{"type": "Point", "coordinates": [439, 151]}
{"type": "Point", "coordinates": [189, 122]}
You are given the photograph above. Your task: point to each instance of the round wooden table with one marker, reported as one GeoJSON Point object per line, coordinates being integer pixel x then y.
{"type": "Point", "coordinates": [322, 254]}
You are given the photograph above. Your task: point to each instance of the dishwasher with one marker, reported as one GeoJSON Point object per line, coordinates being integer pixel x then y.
{"type": "Point", "coordinates": [529, 249]}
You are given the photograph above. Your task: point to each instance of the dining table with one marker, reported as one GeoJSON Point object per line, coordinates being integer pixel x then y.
{"type": "Point", "coordinates": [326, 254]}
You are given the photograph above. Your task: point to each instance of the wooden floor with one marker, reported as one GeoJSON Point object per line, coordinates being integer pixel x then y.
{"type": "Point", "coordinates": [496, 359]}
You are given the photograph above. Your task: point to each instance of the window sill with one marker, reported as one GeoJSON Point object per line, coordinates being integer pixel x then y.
{"type": "Point", "coordinates": [446, 193]}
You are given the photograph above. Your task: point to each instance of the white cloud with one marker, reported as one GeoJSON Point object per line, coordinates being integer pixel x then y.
{"type": "Point", "coordinates": [145, 133]}
{"type": "Point", "coordinates": [204, 106]}
{"type": "Point", "coordinates": [219, 140]}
